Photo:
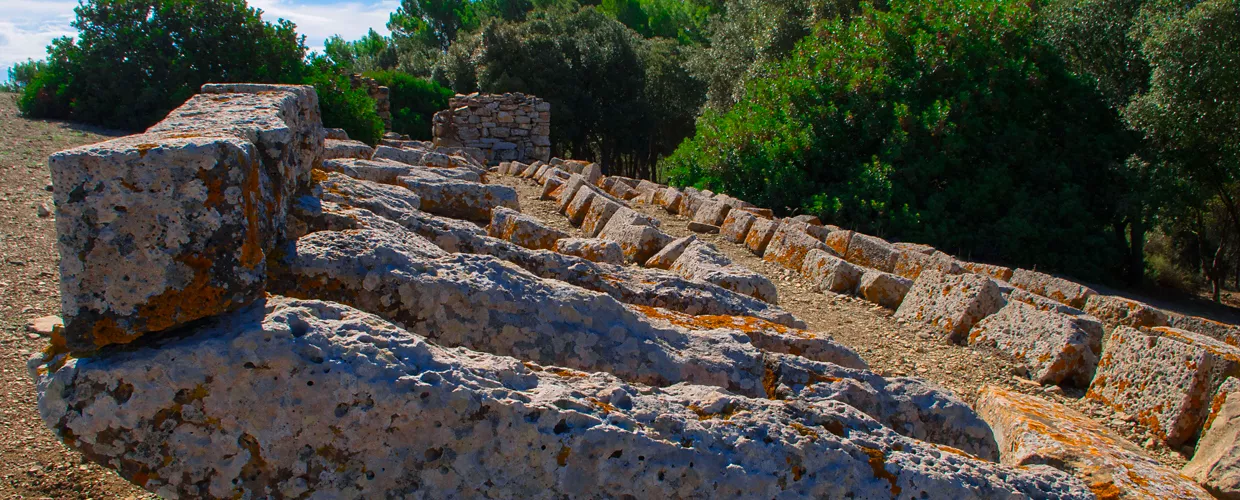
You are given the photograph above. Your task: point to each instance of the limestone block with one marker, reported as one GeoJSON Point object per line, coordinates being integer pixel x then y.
{"type": "Point", "coordinates": [870, 251]}
{"type": "Point", "coordinates": [1216, 462]}
{"type": "Point", "coordinates": [344, 148]}
{"type": "Point", "coordinates": [669, 253]}
{"type": "Point", "coordinates": [1166, 378]}
{"type": "Point", "coordinates": [910, 264]}
{"type": "Point", "coordinates": [552, 184]}
{"type": "Point", "coordinates": [884, 289]}
{"type": "Point", "coordinates": [574, 182]}
{"type": "Point", "coordinates": [1055, 347]}
{"type": "Point", "coordinates": [287, 424]}
{"type": "Point", "coordinates": [638, 241]}
{"type": "Point", "coordinates": [1033, 431]}
{"type": "Point", "coordinates": [736, 225]}
{"type": "Point", "coordinates": [577, 207]}
{"type": "Point", "coordinates": [838, 241]}
{"type": "Point", "coordinates": [644, 187]}
{"type": "Point", "coordinates": [760, 234]}
{"type": "Point", "coordinates": [411, 156]}
{"type": "Point", "coordinates": [828, 273]}
{"type": "Point", "coordinates": [905, 246]}
{"type": "Point", "coordinates": [389, 172]}
{"type": "Point", "coordinates": [668, 199]}
{"type": "Point", "coordinates": [592, 172]}
{"type": "Point", "coordinates": [789, 245]}
{"type": "Point", "coordinates": [711, 212]}
{"type": "Point", "coordinates": [1114, 311]}
{"type": "Point", "coordinates": [997, 272]}
{"type": "Point", "coordinates": [460, 199]}
{"type": "Point", "coordinates": [764, 213]}
{"type": "Point", "coordinates": [338, 134]}
{"type": "Point", "coordinates": [699, 227]}
{"type": "Point", "coordinates": [511, 225]}
{"type": "Point", "coordinates": [597, 214]}
{"type": "Point", "coordinates": [702, 261]}
{"type": "Point", "coordinates": [622, 191]}
{"type": "Point", "coordinates": [950, 303]}
{"type": "Point", "coordinates": [1067, 292]}
{"type": "Point", "coordinates": [592, 249]}
{"type": "Point", "coordinates": [1226, 333]}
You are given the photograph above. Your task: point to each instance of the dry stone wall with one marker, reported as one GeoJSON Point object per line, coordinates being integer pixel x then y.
{"type": "Point", "coordinates": [507, 127]}
{"type": "Point", "coordinates": [382, 96]}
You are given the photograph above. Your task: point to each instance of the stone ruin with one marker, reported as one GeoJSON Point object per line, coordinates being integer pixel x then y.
{"type": "Point", "coordinates": [258, 307]}
{"type": "Point", "coordinates": [382, 96]}
{"type": "Point", "coordinates": [507, 127]}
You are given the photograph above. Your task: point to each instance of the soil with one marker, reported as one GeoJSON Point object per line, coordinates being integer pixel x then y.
{"type": "Point", "coordinates": [892, 347]}
{"type": "Point", "coordinates": [33, 463]}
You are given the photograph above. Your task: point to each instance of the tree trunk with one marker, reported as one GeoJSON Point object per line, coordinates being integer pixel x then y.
{"type": "Point", "coordinates": [1136, 250]}
{"type": "Point", "coordinates": [1216, 274]}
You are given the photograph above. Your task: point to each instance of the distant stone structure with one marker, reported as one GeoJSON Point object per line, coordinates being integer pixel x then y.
{"type": "Point", "coordinates": [508, 127]}
{"type": "Point", "coordinates": [382, 96]}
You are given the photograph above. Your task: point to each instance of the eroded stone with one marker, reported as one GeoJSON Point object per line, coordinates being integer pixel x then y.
{"type": "Point", "coordinates": [950, 303]}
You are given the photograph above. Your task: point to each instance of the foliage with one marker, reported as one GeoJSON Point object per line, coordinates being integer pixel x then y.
{"type": "Point", "coordinates": [686, 21]}
{"type": "Point", "coordinates": [414, 101]}
{"type": "Point", "coordinates": [21, 74]}
{"type": "Point", "coordinates": [342, 105]}
{"type": "Point", "coordinates": [370, 53]}
{"type": "Point", "coordinates": [948, 123]}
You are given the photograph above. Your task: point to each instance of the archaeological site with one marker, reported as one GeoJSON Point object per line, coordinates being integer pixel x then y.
{"type": "Point", "coordinates": [256, 306]}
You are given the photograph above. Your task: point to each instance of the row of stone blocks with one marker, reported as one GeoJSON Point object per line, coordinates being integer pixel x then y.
{"type": "Point", "coordinates": [246, 319]}
{"type": "Point", "coordinates": [1164, 376]}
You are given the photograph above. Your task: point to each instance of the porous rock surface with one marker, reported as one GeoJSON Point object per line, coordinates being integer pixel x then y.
{"type": "Point", "coordinates": [828, 273]}
{"type": "Point", "coordinates": [884, 289]}
{"type": "Point", "coordinates": [460, 199]}
{"type": "Point", "coordinates": [1034, 431]}
{"type": "Point", "coordinates": [500, 427]}
{"type": "Point", "coordinates": [950, 303]}
{"type": "Point", "coordinates": [592, 249]}
{"type": "Point", "coordinates": [1115, 311]}
{"type": "Point", "coordinates": [335, 148]}
{"type": "Point", "coordinates": [1055, 347]}
{"type": "Point", "coordinates": [788, 246]}
{"type": "Point", "coordinates": [736, 226]}
{"type": "Point", "coordinates": [511, 225]}
{"type": "Point", "coordinates": [702, 261]}
{"type": "Point", "coordinates": [1216, 461]}
{"type": "Point", "coordinates": [1067, 292]}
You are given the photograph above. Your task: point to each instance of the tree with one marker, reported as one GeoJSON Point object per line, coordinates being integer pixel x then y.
{"type": "Point", "coordinates": [949, 123]}
{"type": "Point", "coordinates": [414, 101]}
{"type": "Point", "coordinates": [437, 20]}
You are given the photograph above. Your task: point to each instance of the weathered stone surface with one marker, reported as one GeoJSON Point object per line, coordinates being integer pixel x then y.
{"type": "Point", "coordinates": [163, 228]}
{"type": "Point", "coordinates": [905, 246]}
{"type": "Point", "coordinates": [390, 172]}
{"type": "Point", "coordinates": [702, 261]}
{"type": "Point", "coordinates": [997, 272]}
{"type": "Point", "coordinates": [529, 232]}
{"type": "Point", "coordinates": [1114, 311]}
{"type": "Point", "coordinates": [629, 285]}
{"type": "Point", "coordinates": [884, 289]}
{"type": "Point", "coordinates": [808, 219]}
{"type": "Point", "coordinates": [699, 227]}
{"type": "Point", "coordinates": [460, 199]}
{"type": "Point", "coordinates": [838, 241]}
{"type": "Point", "coordinates": [1062, 290]}
{"type": "Point", "coordinates": [870, 251]}
{"type": "Point", "coordinates": [424, 157]}
{"type": "Point", "coordinates": [638, 241]}
{"type": "Point", "coordinates": [736, 225]}
{"type": "Point", "coordinates": [592, 172]}
{"type": "Point", "coordinates": [337, 134]}
{"type": "Point", "coordinates": [568, 191]}
{"type": "Point", "coordinates": [1055, 347]}
{"type": "Point", "coordinates": [337, 148]}
{"type": "Point", "coordinates": [670, 252]}
{"type": "Point", "coordinates": [502, 428]}
{"type": "Point", "coordinates": [1226, 333]}
{"type": "Point", "coordinates": [597, 215]}
{"type": "Point", "coordinates": [764, 213]}
{"type": "Point", "coordinates": [950, 303]}
{"type": "Point", "coordinates": [760, 234]}
{"type": "Point", "coordinates": [1166, 378]}
{"type": "Point", "coordinates": [580, 204]}
{"type": "Point", "coordinates": [1216, 462]}
{"type": "Point", "coordinates": [45, 326]}
{"type": "Point", "coordinates": [592, 249]}
{"type": "Point", "coordinates": [828, 273]}
{"type": "Point", "coordinates": [712, 212]}
{"type": "Point", "coordinates": [789, 245]}
{"type": "Point", "coordinates": [550, 187]}
{"type": "Point", "coordinates": [1034, 431]}
{"type": "Point", "coordinates": [668, 199]}
{"type": "Point", "coordinates": [910, 264]}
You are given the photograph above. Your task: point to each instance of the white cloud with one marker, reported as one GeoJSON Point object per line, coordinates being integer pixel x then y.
{"type": "Point", "coordinates": [28, 26]}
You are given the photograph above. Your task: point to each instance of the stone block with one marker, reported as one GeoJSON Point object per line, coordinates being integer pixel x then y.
{"type": "Point", "coordinates": [699, 227]}
{"type": "Point", "coordinates": [1165, 378]}
{"type": "Point", "coordinates": [1032, 431]}
{"type": "Point", "coordinates": [1226, 333]}
{"type": "Point", "coordinates": [1216, 461]}
{"type": "Point", "coordinates": [808, 219]}
{"type": "Point", "coordinates": [461, 199]}
{"type": "Point", "coordinates": [577, 207]}
{"type": "Point", "coordinates": [997, 272]}
{"type": "Point", "coordinates": [550, 187]}
{"type": "Point", "coordinates": [736, 225]}
{"type": "Point", "coordinates": [592, 249]}
{"type": "Point", "coordinates": [884, 289]}
{"type": "Point", "coordinates": [1056, 348]}
{"type": "Point", "coordinates": [950, 303]}
{"type": "Point", "coordinates": [597, 215]}
{"type": "Point", "coordinates": [712, 212]}
{"type": "Point", "coordinates": [789, 245]}
{"type": "Point", "coordinates": [511, 225]}
{"type": "Point", "coordinates": [828, 273]}
{"type": "Point", "coordinates": [760, 234]}
{"type": "Point", "coordinates": [702, 261]}
{"type": "Point", "coordinates": [870, 251]}
{"type": "Point", "coordinates": [1115, 311]}
{"type": "Point", "coordinates": [910, 264]}
{"type": "Point", "coordinates": [668, 199]}
{"type": "Point", "coordinates": [1062, 290]}
{"type": "Point", "coordinates": [337, 148]}
{"type": "Point", "coordinates": [592, 172]}
{"type": "Point", "coordinates": [669, 253]}
{"type": "Point", "coordinates": [764, 213]}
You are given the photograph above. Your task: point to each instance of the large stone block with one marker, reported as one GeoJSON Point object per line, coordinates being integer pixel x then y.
{"type": "Point", "coordinates": [736, 225]}
{"type": "Point", "coordinates": [592, 249]}
{"type": "Point", "coordinates": [460, 199]}
{"type": "Point", "coordinates": [580, 204]}
{"type": "Point", "coordinates": [702, 261]}
{"type": "Point", "coordinates": [1226, 333]}
{"type": "Point", "coordinates": [1055, 347]}
{"type": "Point", "coordinates": [1033, 431]}
{"type": "Point", "coordinates": [511, 225]}
{"type": "Point", "coordinates": [951, 303]}
{"type": "Point", "coordinates": [838, 241]}
{"type": "Point", "coordinates": [597, 215]}
{"type": "Point", "coordinates": [870, 251]}
{"type": "Point", "coordinates": [670, 252]}
{"type": "Point", "coordinates": [789, 245]}
{"type": "Point", "coordinates": [760, 234]}
{"type": "Point", "coordinates": [390, 172]}
{"type": "Point", "coordinates": [1165, 378]}
{"type": "Point", "coordinates": [884, 289]}
{"type": "Point", "coordinates": [334, 148]}
{"type": "Point", "coordinates": [712, 212]}
{"type": "Point", "coordinates": [638, 241]}
{"type": "Point", "coordinates": [1062, 290]}
{"type": "Point", "coordinates": [910, 264]}
{"type": "Point", "coordinates": [668, 199]}
{"type": "Point", "coordinates": [1115, 311]}
{"type": "Point", "coordinates": [568, 191]}
{"type": "Point", "coordinates": [997, 272]}
{"type": "Point", "coordinates": [1216, 462]}
{"type": "Point", "coordinates": [334, 402]}
{"type": "Point", "coordinates": [828, 273]}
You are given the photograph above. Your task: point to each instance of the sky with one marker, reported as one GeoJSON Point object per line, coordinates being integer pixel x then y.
{"type": "Point", "coordinates": [28, 26]}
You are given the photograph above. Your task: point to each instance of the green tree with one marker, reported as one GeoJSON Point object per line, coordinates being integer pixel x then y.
{"type": "Point", "coordinates": [434, 20]}
{"type": "Point", "coordinates": [949, 123]}
{"type": "Point", "coordinates": [414, 101]}
{"type": "Point", "coordinates": [342, 105]}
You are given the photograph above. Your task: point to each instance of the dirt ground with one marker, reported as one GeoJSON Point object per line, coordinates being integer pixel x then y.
{"type": "Point", "coordinates": [890, 346]}
{"type": "Point", "coordinates": [33, 463]}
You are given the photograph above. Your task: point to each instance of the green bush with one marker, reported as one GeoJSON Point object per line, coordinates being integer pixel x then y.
{"type": "Point", "coordinates": [414, 101]}
{"type": "Point", "coordinates": [132, 61]}
{"type": "Point", "coordinates": [948, 123]}
{"type": "Point", "coordinates": [343, 106]}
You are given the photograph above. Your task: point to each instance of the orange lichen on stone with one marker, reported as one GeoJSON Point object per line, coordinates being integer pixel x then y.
{"type": "Point", "coordinates": [252, 249]}
{"type": "Point", "coordinates": [199, 299]}
{"type": "Point", "coordinates": [878, 463]}
{"type": "Point", "coordinates": [561, 458]}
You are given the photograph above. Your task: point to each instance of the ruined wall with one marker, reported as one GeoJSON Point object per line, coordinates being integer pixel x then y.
{"type": "Point", "coordinates": [382, 96]}
{"type": "Point", "coordinates": [507, 127]}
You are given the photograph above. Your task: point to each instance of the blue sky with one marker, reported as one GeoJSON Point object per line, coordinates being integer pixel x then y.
{"type": "Point", "coordinates": [28, 26]}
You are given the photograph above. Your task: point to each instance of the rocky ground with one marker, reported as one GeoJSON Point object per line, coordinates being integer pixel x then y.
{"type": "Point", "coordinates": [33, 464]}
{"type": "Point", "coordinates": [891, 347]}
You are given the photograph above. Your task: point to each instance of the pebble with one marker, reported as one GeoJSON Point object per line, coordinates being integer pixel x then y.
{"type": "Point", "coordinates": [44, 209]}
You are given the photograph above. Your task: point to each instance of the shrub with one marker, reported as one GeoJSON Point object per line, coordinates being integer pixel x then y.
{"type": "Point", "coordinates": [414, 101]}
{"type": "Point", "coordinates": [343, 106]}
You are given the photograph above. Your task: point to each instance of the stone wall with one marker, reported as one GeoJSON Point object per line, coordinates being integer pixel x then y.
{"type": "Point", "coordinates": [381, 95]}
{"type": "Point", "coordinates": [507, 127]}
